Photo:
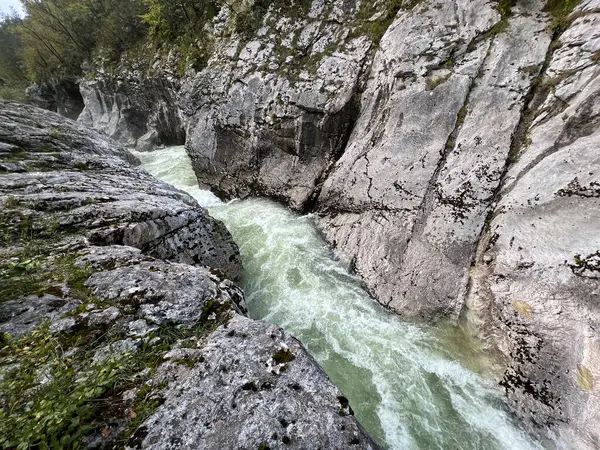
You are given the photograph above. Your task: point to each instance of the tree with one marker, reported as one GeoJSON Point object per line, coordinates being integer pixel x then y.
{"type": "Point", "coordinates": [172, 19]}
{"type": "Point", "coordinates": [13, 80]}
{"type": "Point", "coordinates": [57, 37]}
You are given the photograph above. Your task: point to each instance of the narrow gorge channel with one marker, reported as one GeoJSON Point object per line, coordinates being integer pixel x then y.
{"type": "Point", "coordinates": [412, 387]}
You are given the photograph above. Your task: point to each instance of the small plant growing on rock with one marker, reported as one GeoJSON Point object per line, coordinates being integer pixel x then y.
{"type": "Point", "coordinates": [434, 82]}
{"type": "Point", "coordinates": [283, 356]}
{"type": "Point", "coordinates": [45, 395]}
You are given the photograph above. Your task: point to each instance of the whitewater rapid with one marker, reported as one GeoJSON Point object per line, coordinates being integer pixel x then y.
{"type": "Point", "coordinates": [411, 387]}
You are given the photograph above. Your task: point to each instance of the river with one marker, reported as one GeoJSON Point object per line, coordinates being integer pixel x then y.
{"type": "Point", "coordinates": [411, 386]}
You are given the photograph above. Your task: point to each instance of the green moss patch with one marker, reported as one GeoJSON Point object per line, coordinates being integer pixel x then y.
{"type": "Point", "coordinates": [40, 274]}
{"type": "Point", "coordinates": [375, 29]}
{"type": "Point", "coordinates": [560, 12]}
{"type": "Point", "coordinates": [434, 82]}
{"type": "Point", "coordinates": [585, 379]}
{"type": "Point", "coordinates": [55, 392]}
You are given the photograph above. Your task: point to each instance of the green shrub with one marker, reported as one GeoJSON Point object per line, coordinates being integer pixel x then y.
{"type": "Point", "coordinates": [13, 80]}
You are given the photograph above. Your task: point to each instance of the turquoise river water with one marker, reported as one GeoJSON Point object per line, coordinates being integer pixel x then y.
{"type": "Point", "coordinates": [411, 386]}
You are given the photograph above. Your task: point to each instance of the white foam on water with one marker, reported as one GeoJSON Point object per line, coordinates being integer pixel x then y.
{"type": "Point", "coordinates": [172, 165]}
{"type": "Point", "coordinates": [404, 388]}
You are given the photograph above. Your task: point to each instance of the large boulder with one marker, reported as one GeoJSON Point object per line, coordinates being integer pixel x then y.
{"type": "Point", "coordinates": [61, 177]}
{"type": "Point", "coordinates": [254, 387]}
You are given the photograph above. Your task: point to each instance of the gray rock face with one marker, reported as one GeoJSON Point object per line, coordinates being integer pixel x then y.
{"type": "Point", "coordinates": [167, 302]}
{"type": "Point", "coordinates": [271, 116]}
{"type": "Point", "coordinates": [443, 117]}
{"type": "Point", "coordinates": [273, 396]}
{"type": "Point", "coordinates": [410, 195]}
{"type": "Point", "coordinates": [138, 111]}
{"type": "Point", "coordinates": [535, 282]}
{"type": "Point", "coordinates": [21, 316]}
{"type": "Point", "coordinates": [504, 146]}
{"type": "Point", "coordinates": [81, 183]}
{"type": "Point", "coordinates": [73, 210]}
{"type": "Point", "coordinates": [453, 162]}
{"type": "Point", "coordinates": [63, 98]}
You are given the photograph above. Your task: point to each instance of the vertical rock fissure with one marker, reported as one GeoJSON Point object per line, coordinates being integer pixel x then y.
{"type": "Point", "coordinates": [518, 139]}
{"type": "Point", "coordinates": [426, 204]}
{"type": "Point", "coordinates": [352, 109]}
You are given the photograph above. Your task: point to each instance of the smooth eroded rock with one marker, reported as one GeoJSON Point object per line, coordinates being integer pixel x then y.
{"type": "Point", "coordinates": [253, 387]}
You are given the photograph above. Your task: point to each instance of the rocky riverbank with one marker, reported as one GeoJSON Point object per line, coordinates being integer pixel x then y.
{"type": "Point", "coordinates": [120, 324]}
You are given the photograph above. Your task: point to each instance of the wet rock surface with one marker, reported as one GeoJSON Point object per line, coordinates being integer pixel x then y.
{"type": "Point", "coordinates": [60, 177]}
{"type": "Point", "coordinates": [64, 98]}
{"type": "Point", "coordinates": [535, 278]}
{"type": "Point", "coordinates": [116, 298]}
{"type": "Point", "coordinates": [430, 148]}
{"type": "Point", "coordinates": [271, 115]}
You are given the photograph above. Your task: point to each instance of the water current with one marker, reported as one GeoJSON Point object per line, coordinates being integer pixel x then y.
{"type": "Point", "coordinates": [411, 386]}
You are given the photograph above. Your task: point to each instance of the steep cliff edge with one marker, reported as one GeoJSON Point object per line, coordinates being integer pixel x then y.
{"type": "Point", "coordinates": [273, 110]}
{"type": "Point", "coordinates": [409, 197]}
{"type": "Point", "coordinates": [119, 325]}
{"type": "Point", "coordinates": [485, 124]}
{"type": "Point", "coordinates": [139, 111]}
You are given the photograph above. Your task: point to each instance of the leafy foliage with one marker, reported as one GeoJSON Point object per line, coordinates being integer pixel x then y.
{"type": "Point", "coordinates": [45, 398]}
{"type": "Point", "coordinates": [39, 274]}
{"type": "Point", "coordinates": [375, 29]}
{"type": "Point", "coordinates": [56, 37]}
{"type": "Point", "coordinates": [53, 393]}
{"type": "Point", "coordinates": [182, 25]}
{"type": "Point", "coordinates": [59, 36]}
{"type": "Point", "coordinates": [169, 20]}
{"type": "Point", "coordinates": [13, 80]}
{"type": "Point", "coordinates": [249, 16]}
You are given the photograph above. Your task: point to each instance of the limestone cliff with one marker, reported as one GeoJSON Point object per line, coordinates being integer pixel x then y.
{"type": "Point", "coordinates": [452, 158]}
{"type": "Point", "coordinates": [534, 285]}
{"type": "Point", "coordinates": [138, 111]}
